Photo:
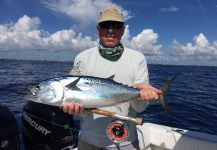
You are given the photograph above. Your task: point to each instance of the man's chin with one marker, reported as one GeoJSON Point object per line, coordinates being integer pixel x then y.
{"type": "Point", "coordinates": [110, 44]}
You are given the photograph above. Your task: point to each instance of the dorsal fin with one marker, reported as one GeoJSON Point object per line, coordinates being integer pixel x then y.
{"type": "Point", "coordinates": [111, 77]}
{"type": "Point", "coordinates": [72, 85]}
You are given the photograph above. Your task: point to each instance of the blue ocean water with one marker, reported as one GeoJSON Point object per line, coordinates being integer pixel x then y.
{"type": "Point", "coordinates": [192, 97]}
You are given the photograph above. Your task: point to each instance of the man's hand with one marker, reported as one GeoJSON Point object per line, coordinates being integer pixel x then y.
{"type": "Point", "coordinates": [147, 92]}
{"type": "Point", "coordinates": [73, 108]}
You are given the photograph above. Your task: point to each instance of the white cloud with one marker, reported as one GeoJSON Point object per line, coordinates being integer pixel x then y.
{"type": "Point", "coordinates": [201, 47]}
{"type": "Point", "coordinates": [183, 60]}
{"type": "Point", "coordinates": [68, 39]}
{"type": "Point", "coordinates": [25, 34]}
{"type": "Point", "coordinates": [26, 24]}
{"type": "Point", "coordinates": [84, 12]}
{"type": "Point", "coordinates": [169, 9]}
{"type": "Point", "coordinates": [144, 41]}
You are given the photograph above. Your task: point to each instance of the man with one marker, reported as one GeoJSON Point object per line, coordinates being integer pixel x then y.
{"type": "Point", "coordinates": [128, 66]}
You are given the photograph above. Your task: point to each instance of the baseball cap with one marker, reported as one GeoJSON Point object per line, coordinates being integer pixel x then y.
{"type": "Point", "coordinates": [110, 14]}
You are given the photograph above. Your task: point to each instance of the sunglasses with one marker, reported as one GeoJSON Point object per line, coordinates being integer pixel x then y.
{"type": "Point", "coordinates": [111, 24]}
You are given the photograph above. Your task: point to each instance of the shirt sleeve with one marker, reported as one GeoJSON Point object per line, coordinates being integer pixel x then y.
{"type": "Point", "coordinates": [78, 68]}
{"type": "Point", "coordinates": [141, 76]}
{"type": "Point", "coordinates": [141, 73]}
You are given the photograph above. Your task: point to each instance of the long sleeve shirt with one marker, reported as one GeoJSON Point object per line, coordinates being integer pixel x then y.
{"type": "Point", "coordinates": [130, 69]}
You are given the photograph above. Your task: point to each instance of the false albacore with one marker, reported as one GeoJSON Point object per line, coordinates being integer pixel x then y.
{"type": "Point", "coordinates": [92, 92]}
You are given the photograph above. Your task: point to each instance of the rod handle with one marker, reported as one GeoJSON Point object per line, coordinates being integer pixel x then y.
{"type": "Point", "coordinates": [138, 121]}
{"type": "Point", "coordinates": [101, 112]}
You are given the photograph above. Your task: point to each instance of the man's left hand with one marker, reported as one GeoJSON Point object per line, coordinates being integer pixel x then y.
{"type": "Point", "coordinates": [148, 92]}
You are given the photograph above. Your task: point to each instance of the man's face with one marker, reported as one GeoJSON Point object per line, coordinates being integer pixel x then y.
{"type": "Point", "coordinates": [110, 33]}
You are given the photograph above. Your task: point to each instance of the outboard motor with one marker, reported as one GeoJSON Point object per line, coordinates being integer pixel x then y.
{"type": "Point", "coordinates": [9, 135]}
{"type": "Point", "coordinates": [46, 127]}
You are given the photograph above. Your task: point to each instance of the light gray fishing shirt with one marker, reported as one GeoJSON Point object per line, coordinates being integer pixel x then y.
{"type": "Point", "coordinates": [130, 69]}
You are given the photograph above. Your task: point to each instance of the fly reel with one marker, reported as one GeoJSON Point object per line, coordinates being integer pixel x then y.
{"type": "Point", "coordinates": [118, 131]}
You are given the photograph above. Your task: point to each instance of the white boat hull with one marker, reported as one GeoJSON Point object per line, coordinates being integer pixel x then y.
{"type": "Point", "coordinates": [159, 137]}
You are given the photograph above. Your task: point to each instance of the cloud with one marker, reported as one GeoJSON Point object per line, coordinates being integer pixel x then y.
{"type": "Point", "coordinates": [25, 34]}
{"type": "Point", "coordinates": [84, 12]}
{"type": "Point", "coordinates": [201, 47]}
{"type": "Point", "coordinates": [144, 41]}
{"type": "Point", "coordinates": [182, 60]}
{"type": "Point", "coordinates": [169, 9]}
{"type": "Point", "coordinates": [200, 53]}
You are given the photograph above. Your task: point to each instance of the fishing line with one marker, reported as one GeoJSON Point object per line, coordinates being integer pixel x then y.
{"type": "Point", "coordinates": [65, 126]}
{"type": "Point", "coordinates": [12, 91]}
{"type": "Point", "coordinates": [53, 123]}
{"type": "Point", "coordinates": [215, 3]}
{"type": "Point", "coordinates": [200, 4]}
{"type": "Point", "coordinates": [203, 11]}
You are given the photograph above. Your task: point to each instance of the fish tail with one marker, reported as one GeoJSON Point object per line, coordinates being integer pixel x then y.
{"type": "Point", "coordinates": [164, 88]}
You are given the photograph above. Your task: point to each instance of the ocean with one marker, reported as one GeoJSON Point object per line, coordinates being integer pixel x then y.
{"type": "Point", "coordinates": [192, 97]}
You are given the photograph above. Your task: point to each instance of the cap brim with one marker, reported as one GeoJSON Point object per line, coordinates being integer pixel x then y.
{"type": "Point", "coordinates": [110, 19]}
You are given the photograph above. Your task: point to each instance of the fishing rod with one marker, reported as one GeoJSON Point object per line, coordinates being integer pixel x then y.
{"type": "Point", "coordinates": [137, 120]}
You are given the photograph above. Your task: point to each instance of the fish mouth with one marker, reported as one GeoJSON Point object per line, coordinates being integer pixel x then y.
{"type": "Point", "coordinates": [34, 89]}
{"type": "Point", "coordinates": [30, 96]}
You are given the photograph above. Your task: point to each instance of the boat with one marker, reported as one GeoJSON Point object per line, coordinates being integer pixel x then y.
{"type": "Point", "coordinates": [48, 127]}
{"type": "Point", "coordinates": [9, 135]}
{"type": "Point", "coordinates": [39, 119]}
{"type": "Point", "coordinates": [159, 137]}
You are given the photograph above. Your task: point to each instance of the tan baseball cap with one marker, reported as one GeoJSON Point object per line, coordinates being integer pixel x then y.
{"type": "Point", "coordinates": [111, 14]}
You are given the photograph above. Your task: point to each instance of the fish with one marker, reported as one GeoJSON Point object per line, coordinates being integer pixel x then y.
{"type": "Point", "coordinates": [92, 92]}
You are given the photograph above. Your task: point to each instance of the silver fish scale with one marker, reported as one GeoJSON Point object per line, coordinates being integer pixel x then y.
{"type": "Point", "coordinates": [91, 91]}
{"type": "Point", "coordinates": [99, 92]}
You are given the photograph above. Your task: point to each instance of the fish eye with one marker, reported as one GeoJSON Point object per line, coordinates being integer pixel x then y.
{"type": "Point", "coordinates": [35, 89]}
{"type": "Point", "coordinates": [38, 86]}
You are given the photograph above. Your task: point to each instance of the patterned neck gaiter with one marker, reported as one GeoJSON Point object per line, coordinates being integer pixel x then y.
{"type": "Point", "coordinates": [112, 54]}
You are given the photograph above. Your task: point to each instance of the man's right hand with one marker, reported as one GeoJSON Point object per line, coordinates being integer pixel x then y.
{"type": "Point", "coordinates": [73, 108]}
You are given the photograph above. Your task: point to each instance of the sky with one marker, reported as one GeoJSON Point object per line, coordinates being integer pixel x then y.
{"type": "Point", "coordinates": [176, 32]}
